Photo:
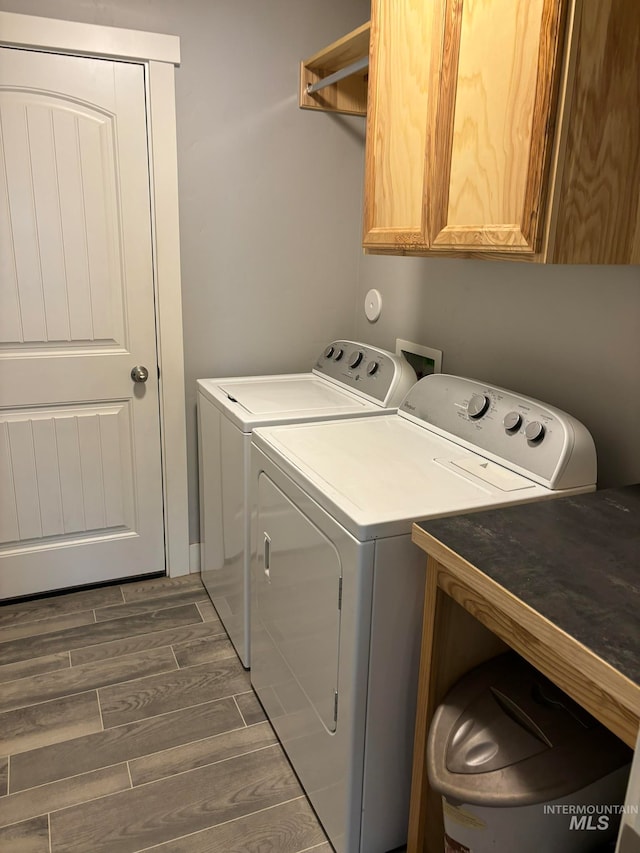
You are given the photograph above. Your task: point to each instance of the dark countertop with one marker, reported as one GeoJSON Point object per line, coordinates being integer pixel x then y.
{"type": "Point", "coordinates": [575, 560]}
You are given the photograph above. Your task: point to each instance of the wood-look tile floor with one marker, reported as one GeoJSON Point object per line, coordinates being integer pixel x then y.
{"type": "Point", "coordinates": [127, 723]}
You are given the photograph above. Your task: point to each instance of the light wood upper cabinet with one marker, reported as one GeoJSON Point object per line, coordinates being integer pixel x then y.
{"type": "Point", "coordinates": [505, 129]}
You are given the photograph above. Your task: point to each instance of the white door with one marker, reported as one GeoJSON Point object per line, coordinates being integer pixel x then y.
{"type": "Point", "coordinates": [80, 470]}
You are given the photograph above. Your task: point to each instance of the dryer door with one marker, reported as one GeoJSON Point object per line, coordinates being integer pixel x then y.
{"type": "Point", "coordinates": [310, 645]}
{"type": "Point", "coordinates": [297, 600]}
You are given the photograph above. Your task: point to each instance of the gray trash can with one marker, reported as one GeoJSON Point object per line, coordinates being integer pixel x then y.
{"type": "Point", "coordinates": [521, 767]}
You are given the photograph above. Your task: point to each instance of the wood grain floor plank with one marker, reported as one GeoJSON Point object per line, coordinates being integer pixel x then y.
{"type": "Point", "coordinates": [4, 775]}
{"type": "Point", "coordinates": [250, 708]}
{"type": "Point", "coordinates": [48, 723]}
{"type": "Point", "coordinates": [207, 610]}
{"type": "Point", "coordinates": [56, 605]}
{"type": "Point", "coordinates": [139, 642]}
{"type": "Point", "coordinates": [123, 743]}
{"type": "Point", "coordinates": [135, 608]}
{"type": "Point", "coordinates": [96, 633]}
{"type": "Point", "coordinates": [45, 626]}
{"type": "Point", "coordinates": [89, 676]}
{"type": "Point", "coordinates": [155, 587]}
{"type": "Point", "coordinates": [288, 828]}
{"type": "Point", "coordinates": [203, 752]}
{"type": "Point", "coordinates": [34, 666]}
{"type": "Point", "coordinates": [160, 694]}
{"type": "Point", "coordinates": [206, 766]}
{"type": "Point", "coordinates": [203, 651]}
{"type": "Point", "coordinates": [30, 836]}
{"type": "Point", "coordinates": [174, 807]}
{"type": "Point", "coordinates": [59, 795]}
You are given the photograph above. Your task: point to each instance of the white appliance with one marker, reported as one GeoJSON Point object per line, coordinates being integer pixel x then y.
{"type": "Point", "coordinates": [337, 585]}
{"type": "Point", "coordinates": [349, 379]}
{"type": "Point", "coordinates": [629, 837]}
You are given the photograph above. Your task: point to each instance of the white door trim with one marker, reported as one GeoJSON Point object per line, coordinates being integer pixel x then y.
{"type": "Point", "coordinates": [87, 39]}
{"type": "Point", "coordinates": [159, 53]}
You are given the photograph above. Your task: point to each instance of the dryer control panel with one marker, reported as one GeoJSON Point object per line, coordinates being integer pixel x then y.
{"type": "Point", "coordinates": [381, 376]}
{"type": "Point", "coordinates": [523, 434]}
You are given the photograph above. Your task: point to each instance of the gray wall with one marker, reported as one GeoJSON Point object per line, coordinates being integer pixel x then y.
{"type": "Point", "coordinates": [569, 336]}
{"type": "Point", "coordinates": [270, 195]}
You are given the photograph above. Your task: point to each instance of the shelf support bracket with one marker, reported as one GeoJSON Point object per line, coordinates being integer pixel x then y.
{"type": "Point", "coordinates": [336, 78]}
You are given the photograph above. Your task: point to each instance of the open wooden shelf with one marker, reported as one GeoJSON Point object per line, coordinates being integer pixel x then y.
{"type": "Point", "coordinates": [348, 95]}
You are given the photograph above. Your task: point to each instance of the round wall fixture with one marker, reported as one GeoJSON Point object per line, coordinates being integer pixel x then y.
{"type": "Point", "coordinates": [373, 305]}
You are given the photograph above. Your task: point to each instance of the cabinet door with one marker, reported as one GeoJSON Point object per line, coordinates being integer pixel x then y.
{"type": "Point", "coordinates": [491, 139]}
{"type": "Point", "coordinates": [399, 96]}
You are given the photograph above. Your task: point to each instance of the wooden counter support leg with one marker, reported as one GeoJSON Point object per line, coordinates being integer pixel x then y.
{"type": "Point", "coordinates": [424, 713]}
{"type": "Point", "coordinates": [453, 642]}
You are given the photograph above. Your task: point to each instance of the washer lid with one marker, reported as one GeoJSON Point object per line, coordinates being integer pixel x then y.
{"type": "Point", "coordinates": [378, 475]}
{"type": "Point", "coordinates": [251, 401]}
{"type": "Point", "coordinates": [270, 396]}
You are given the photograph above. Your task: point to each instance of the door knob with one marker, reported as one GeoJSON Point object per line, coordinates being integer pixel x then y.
{"type": "Point", "coordinates": [139, 373]}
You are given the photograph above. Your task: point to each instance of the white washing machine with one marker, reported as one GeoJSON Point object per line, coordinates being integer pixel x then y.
{"type": "Point", "coordinates": [349, 379]}
{"type": "Point", "coordinates": [337, 585]}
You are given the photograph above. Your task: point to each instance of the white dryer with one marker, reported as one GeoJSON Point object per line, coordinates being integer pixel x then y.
{"type": "Point", "coordinates": [349, 379]}
{"type": "Point", "coordinates": [337, 584]}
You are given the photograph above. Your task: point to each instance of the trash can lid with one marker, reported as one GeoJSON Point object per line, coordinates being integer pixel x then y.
{"type": "Point", "coordinates": [505, 735]}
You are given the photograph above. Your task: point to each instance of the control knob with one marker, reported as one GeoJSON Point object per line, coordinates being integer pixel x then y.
{"type": "Point", "coordinates": [534, 432]}
{"type": "Point", "coordinates": [372, 368]}
{"type": "Point", "coordinates": [477, 406]}
{"type": "Point", "coordinates": [339, 354]}
{"type": "Point", "coordinates": [329, 352]}
{"type": "Point", "coordinates": [356, 358]}
{"type": "Point", "coordinates": [512, 421]}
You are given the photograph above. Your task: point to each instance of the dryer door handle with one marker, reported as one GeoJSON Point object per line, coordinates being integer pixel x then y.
{"type": "Point", "coordinates": [267, 555]}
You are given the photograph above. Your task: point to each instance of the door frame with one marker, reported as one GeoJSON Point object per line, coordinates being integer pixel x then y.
{"type": "Point", "coordinates": [159, 54]}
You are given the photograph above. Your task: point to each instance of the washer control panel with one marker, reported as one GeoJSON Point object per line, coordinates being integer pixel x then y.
{"type": "Point", "coordinates": [524, 434]}
{"type": "Point", "coordinates": [381, 376]}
